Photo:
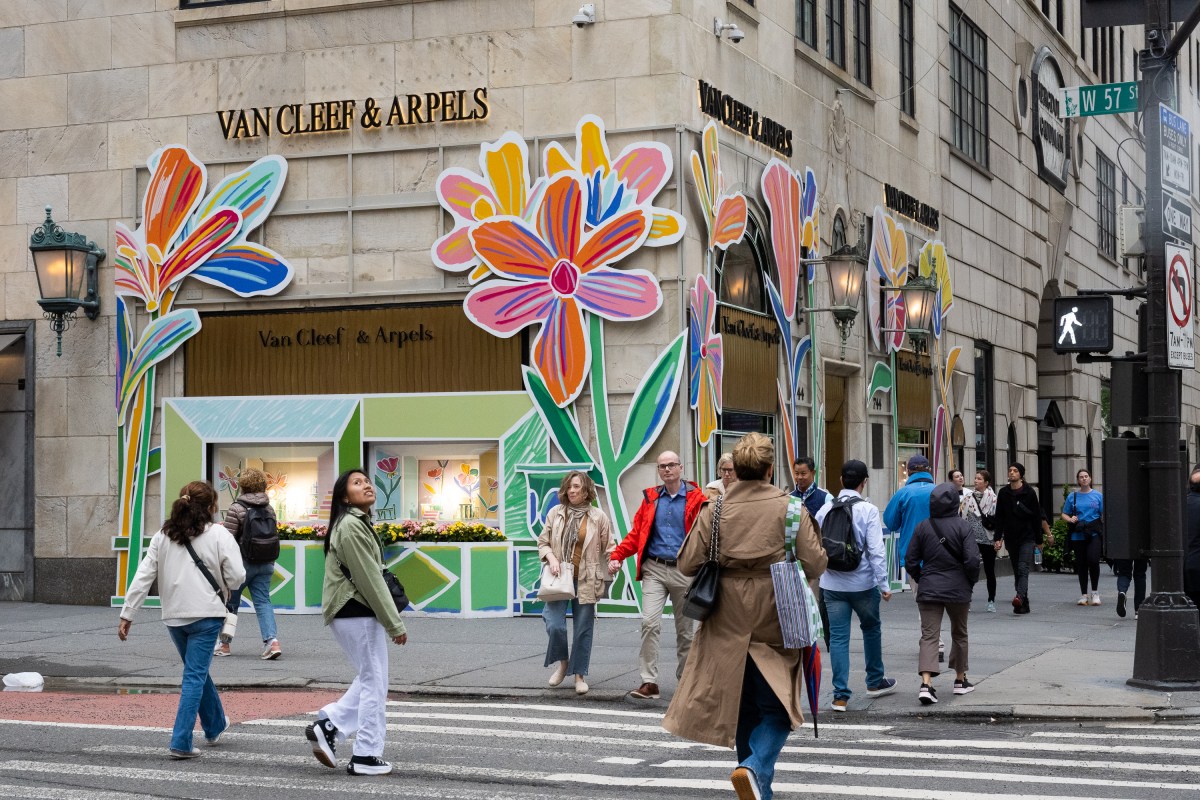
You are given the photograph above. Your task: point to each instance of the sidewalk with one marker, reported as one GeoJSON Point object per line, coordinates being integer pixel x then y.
{"type": "Point", "coordinates": [1060, 662]}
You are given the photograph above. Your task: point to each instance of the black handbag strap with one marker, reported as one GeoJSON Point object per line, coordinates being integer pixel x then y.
{"type": "Point", "coordinates": [713, 544]}
{"type": "Point", "coordinates": [204, 569]}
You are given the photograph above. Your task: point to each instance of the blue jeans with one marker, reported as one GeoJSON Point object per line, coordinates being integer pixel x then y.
{"type": "Point", "coordinates": [198, 694]}
{"type": "Point", "coordinates": [866, 605]}
{"type": "Point", "coordinates": [1132, 569]}
{"type": "Point", "coordinates": [555, 617]}
{"type": "Point", "coordinates": [258, 578]}
{"type": "Point", "coordinates": [762, 728]}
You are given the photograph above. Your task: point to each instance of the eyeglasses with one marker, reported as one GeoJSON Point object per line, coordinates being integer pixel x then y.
{"type": "Point", "coordinates": [672, 465]}
{"type": "Point", "coordinates": [726, 470]}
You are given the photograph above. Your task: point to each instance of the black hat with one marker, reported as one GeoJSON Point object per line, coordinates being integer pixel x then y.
{"type": "Point", "coordinates": [918, 463]}
{"type": "Point", "coordinates": [854, 472]}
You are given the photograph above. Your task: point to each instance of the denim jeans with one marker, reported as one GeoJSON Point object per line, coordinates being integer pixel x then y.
{"type": "Point", "coordinates": [555, 616]}
{"type": "Point", "coordinates": [1022, 563]}
{"type": "Point", "coordinates": [1130, 569]}
{"type": "Point", "coordinates": [762, 728]}
{"type": "Point", "coordinates": [258, 578]}
{"type": "Point", "coordinates": [866, 605]}
{"type": "Point", "coordinates": [198, 693]}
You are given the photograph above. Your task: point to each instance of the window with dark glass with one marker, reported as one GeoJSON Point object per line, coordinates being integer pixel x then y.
{"type": "Point", "coordinates": [203, 3]}
{"type": "Point", "coordinates": [838, 238]}
{"type": "Point", "coordinates": [862, 41]}
{"type": "Point", "coordinates": [985, 408]}
{"type": "Point", "coordinates": [908, 96]}
{"type": "Point", "coordinates": [968, 87]}
{"type": "Point", "coordinates": [1012, 443]}
{"type": "Point", "coordinates": [806, 22]}
{"type": "Point", "coordinates": [1106, 205]}
{"type": "Point", "coordinates": [743, 268]}
{"type": "Point", "coordinates": [835, 32]}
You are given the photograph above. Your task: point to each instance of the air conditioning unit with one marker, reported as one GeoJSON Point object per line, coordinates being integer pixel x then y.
{"type": "Point", "coordinates": [1131, 223]}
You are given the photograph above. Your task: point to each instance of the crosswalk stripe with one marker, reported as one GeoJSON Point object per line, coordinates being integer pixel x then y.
{"type": "Point", "coordinates": [12, 791]}
{"type": "Point", "coordinates": [807, 789]}
{"type": "Point", "coordinates": [532, 721]}
{"type": "Point", "coordinates": [1067, 747]}
{"type": "Point", "coordinates": [900, 772]}
{"type": "Point", "coordinates": [1137, 737]}
{"type": "Point", "coordinates": [83, 725]}
{"type": "Point", "coordinates": [852, 752]}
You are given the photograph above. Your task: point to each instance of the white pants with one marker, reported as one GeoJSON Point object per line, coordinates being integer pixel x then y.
{"type": "Point", "coordinates": [658, 582]}
{"type": "Point", "coordinates": [361, 710]}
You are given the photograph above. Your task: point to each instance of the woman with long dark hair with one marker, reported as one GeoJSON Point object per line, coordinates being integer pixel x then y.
{"type": "Point", "coordinates": [978, 508]}
{"type": "Point", "coordinates": [358, 608]}
{"type": "Point", "coordinates": [187, 557]}
{"type": "Point", "coordinates": [1083, 510]}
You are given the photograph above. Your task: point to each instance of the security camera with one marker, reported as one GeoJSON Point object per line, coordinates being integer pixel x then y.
{"type": "Point", "coordinates": [729, 29]}
{"type": "Point", "coordinates": [736, 35]}
{"type": "Point", "coordinates": [586, 15]}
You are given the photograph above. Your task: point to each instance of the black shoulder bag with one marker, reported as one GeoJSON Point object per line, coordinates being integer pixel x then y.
{"type": "Point", "coordinates": [393, 584]}
{"type": "Point", "coordinates": [701, 597]}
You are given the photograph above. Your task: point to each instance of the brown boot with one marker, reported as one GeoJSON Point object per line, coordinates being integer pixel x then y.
{"type": "Point", "coordinates": [647, 691]}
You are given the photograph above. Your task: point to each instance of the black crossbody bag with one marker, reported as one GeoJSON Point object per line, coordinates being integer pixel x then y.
{"type": "Point", "coordinates": [394, 586]}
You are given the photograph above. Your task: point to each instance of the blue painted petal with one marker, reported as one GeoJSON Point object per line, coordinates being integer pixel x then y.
{"type": "Point", "coordinates": [246, 269]}
{"type": "Point", "coordinates": [594, 196]}
{"type": "Point", "coordinates": [785, 328]}
{"type": "Point", "coordinates": [802, 348]}
{"type": "Point", "coordinates": [124, 349]}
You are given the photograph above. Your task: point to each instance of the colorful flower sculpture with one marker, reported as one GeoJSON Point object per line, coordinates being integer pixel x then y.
{"type": "Point", "coordinates": [705, 362]}
{"type": "Point", "coordinates": [724, 213]}
{"type": "Point", "coordinates": [551, 274]}
{"type": "Point", "coordinates": [614, 187]}
{"type": "Point", "coordinates": [889, 270]}
{"type": "Point", "coordinates": [933, 262]}
{"type": "Point", "coordinates": [794, 225]}
{"type": "Point", "coordinates": [184, 233]}
{"type": "Point", "coordinates": [502, 188]}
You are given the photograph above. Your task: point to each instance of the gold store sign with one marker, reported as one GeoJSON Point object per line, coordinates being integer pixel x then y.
{"type": "Point", "coordinates": [751, 344]}
{"type": "Point", "coordinates": [432, 348]}
{"type": "Point", "coordinates": [333, 116]}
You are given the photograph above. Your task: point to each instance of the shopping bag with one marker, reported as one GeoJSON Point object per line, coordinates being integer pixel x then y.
{"type": "Point", "coordinates": [795, 602]}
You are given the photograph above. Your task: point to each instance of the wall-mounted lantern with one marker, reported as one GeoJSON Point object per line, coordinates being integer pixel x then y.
{"type": "Point", "coordinates": [67, 265]}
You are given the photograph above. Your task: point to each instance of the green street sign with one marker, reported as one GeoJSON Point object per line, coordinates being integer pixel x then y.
{"type": "Point", "coordinates": [1105, 98]}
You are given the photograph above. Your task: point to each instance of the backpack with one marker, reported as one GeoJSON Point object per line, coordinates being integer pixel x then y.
{"type": "Point", "coordinates": [837, 536]}
{"type": "Point", "coordinates": [260, 535]}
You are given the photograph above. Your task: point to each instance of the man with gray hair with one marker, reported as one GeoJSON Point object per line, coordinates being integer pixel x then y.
{"type": "Point", "coordinates": [663, 519]}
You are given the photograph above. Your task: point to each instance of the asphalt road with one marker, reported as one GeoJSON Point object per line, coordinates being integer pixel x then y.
{"type": "Point", "coordinates": [102, 747]}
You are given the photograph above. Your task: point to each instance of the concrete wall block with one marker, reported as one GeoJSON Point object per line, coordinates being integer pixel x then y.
{"type": "Point", "coordinates": [131, 143]}
{"type": "Point", "coordinates": [230, 39]}
{"type": "Point", "coordinates": [108, 95]}
{"type": "Point", "coordinates": [555, 110]}
{"type": "Point", "coordinates": [14, 245]}
{"type": "Point", "coordinates": [415, 171]}
{"type": "Point", "coordinates": [50, 527]}
{"type": "Point", "coordinates": [87, 347]}
{"type": "Point", "coordinates": [77, 465]}
{"type": "Point", "coordinates": [415, 271]}
{"type": "Point", "coordinates": [96, 195]}
{"type": "Point", "coordinates": [349, 73]}
{"type": "Point", "coordinates": [12, 53]}
{"type": "Point", "coordinates": [327, 273]}
{"type": "Point", "coordinates": [8, 201]}
{"type": "Point", "coordinates": [450, 17]}
{"type": "Point", "coordinates": [650, 100]}
{"type": "Point", "coordinates": [435, 64]}
{"type": "Point", "coordinates": [308, 235]}
{"type": "Point", "coordinates": [50, 412]}
{"type": "Point", "coordinates": [14, 154]}
{"type": "Point", "coordinates": [142, 39]}
{"type": "Point", "coordinates": [374, 175]}
{"type": "Point", "coordinates": [87, 397]}
{"type": "Point", "coordinates": [33, 12]}
{"type": "Point", "coordinates": [91, 524]}
{"type": "Point", "coordinates": [270, 80]}
{"type": "Point", "coordinates": [346, 28]}
{"type": "Point", "coordinates": [84, 9]}
{"type": "Point", "coordinates": [76, 148]}
{"type": "Point", "coordinates": [55, 48]}
{"type": "Point", "coordinates": [33, 102]}
{"type": "Point", "coordinates": [394, 229]}
{"type": "Point", "coordinates": [34, 194]}
{"type": "Point", "coordinates": [327, 177]}
{"type": "Point", "coordinates": [611, 50]}
{"type": "Point", "coordinates": [207, 143]}
{"type": "Point", "coordinates": [187, 88]}
{"type": "Point", "coordinates": [530, 56]}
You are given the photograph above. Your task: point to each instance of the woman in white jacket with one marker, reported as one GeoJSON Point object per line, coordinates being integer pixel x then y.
{"type": "Point", "coordinates": [193, 609]}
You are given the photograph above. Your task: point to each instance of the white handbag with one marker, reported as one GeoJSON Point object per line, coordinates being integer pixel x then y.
{"type": "Point", "coordinates": [557, 587]}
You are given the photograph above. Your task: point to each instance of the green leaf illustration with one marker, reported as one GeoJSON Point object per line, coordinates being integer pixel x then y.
{"type": "Point", "coordinates": [652, 403]}
{"type": "Point", "coordinates": [559, 422]}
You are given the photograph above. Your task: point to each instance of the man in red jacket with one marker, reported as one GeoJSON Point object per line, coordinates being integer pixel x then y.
{"type": "Point", "coordinates": [661, 522]}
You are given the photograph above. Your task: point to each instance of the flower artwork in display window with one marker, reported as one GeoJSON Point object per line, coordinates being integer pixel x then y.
{"type": "Point", "coordinates": [299, 478]}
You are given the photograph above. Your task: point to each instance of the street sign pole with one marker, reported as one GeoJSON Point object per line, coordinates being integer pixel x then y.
{"type": "Point", "coordinates": [1167, 651]}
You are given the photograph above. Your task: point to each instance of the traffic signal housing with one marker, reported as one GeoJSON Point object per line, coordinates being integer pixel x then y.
{"type": "Point", "coordinates": [1083, 324]}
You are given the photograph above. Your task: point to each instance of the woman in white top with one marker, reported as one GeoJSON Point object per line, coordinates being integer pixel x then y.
{"type": "Point", "coordinates": [727, 479]}
{"type": "Point", "coordinates": [978, 508]}
{"type": "Point", "coordinates": [192, 608]}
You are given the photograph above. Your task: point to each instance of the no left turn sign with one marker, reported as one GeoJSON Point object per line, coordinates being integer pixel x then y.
{"type": "Point", "coordinates": [1181, 343]}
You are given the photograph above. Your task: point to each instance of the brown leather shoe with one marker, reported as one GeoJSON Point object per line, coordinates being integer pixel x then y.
{"type": "Point", "coordinates": [647, 691]}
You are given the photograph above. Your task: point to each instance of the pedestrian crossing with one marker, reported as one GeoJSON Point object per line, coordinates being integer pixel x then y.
{"type": "Point", "coordinates": [494, 750]}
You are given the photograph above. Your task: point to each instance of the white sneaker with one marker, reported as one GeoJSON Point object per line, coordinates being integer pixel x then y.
{"type": "Point", "coordinates": [559, 673]}
{"type": "Point", "coordinates": [1082, 601]}
{"type": "Point", "coordinates": [1095, 598]}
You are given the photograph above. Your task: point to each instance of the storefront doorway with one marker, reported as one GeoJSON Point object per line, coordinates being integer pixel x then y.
{"type": "Point", "coordinates": [16, 468]}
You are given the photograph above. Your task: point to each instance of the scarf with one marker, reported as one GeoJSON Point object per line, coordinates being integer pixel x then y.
{"type": "Point", "coordinates": [574, 515]}
{"type": "Point", "coordinates": [979, 504]}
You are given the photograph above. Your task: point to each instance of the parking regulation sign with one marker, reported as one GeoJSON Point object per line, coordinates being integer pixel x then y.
{"type": "Point", "coordinates": [1181, 340]}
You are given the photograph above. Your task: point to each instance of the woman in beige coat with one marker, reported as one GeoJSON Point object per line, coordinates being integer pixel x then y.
{"type": "Point", "coordinates": [576, 532]}
{"type": "Point", "coordinates": [741, 688]}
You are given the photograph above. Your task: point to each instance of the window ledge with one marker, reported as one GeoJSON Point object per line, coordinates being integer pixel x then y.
{"type": "Point", "coordinates": [970, 162]}
{"type": "Point", "coordinates": [265, 9]}
{"type": "Point", "coordinates": [909, 122]}
{"type": "Point", "coordinates": [837, 74]}
{"type": "Point", "coordinates": [746, 12]}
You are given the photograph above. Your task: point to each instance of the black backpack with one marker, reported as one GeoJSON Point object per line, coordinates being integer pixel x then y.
{"type": "Point", "coordinates": [260, 535]}
{"type": "Point", "coordinates": [837, 536]}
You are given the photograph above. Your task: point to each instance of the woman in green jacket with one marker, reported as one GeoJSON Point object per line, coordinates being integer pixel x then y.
{"type": "Point", "coordinates": [359, 609]}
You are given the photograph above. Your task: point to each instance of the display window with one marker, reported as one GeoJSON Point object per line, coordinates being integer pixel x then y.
{"type": "Point", "coordinates": [436, 481]}
{"type": "Point", "coordinates": [299, 478]}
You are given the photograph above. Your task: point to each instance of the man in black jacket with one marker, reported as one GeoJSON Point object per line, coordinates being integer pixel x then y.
{"type": "Point", "coordinates": [1021, 525]}
{"type": "Point", "coordinates": [1191, 559]}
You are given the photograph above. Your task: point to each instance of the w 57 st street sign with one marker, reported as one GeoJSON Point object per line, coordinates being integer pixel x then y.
{"type": "Point", "coordinates": [1104, 98]}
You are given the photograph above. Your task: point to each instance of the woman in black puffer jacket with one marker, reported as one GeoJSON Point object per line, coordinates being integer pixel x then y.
{"type": "Point", "coordinates": [944, 561]}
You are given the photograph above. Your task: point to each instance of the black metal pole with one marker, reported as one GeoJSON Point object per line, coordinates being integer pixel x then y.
{"type": "Point", "coordinates": [1167, 651]}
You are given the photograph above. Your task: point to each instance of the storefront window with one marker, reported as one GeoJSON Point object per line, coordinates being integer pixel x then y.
{"type": "Point", "coordinates": [299, 477]}
{"type": "Point", "coordinates": [438, 481]}
{"type": "Point", "coordinates": [985, 415]}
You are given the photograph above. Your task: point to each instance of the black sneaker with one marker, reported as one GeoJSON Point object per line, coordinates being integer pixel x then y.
{"type": "Point", "coordinates": [368, 765]}
{"type": "Point", "coordinates": [927, 695]}
{"type": "Point", "coordinates": [963, 687]}
{"type": "Point", "coordinates": [1120, 604]}
{"type": "Point", "coordinates": [309, 732]}
{"type": "Point", "coordinates": [885, 686]}
{"type": "Point", "coordinates": [324, 742]}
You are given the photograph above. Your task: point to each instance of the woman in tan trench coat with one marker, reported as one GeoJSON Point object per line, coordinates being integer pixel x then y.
{"type": "Point", "coordinates": [740, 687]}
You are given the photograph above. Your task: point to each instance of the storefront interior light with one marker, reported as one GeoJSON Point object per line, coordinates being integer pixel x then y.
{"type": "Point", "coordinates": [67, 265]}
{"type": "Point", "coordinates": [919, 296]}
{"type": "Point", "coordinates": [847, 266]}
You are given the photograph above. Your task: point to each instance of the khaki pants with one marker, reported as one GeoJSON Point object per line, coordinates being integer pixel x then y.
{"type": "Point", "coordinates": [658, 582]}
{"type": "Point", "coordinates": [931, 628]}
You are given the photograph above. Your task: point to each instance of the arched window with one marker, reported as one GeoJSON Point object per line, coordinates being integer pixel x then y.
{"type": "Point", "coordinates": [838, 238]}
{"type": "Point", "coordinates": [743, 269]}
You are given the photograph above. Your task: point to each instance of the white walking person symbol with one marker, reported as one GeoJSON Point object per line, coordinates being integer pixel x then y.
{"type": "Point", "coordinates": [1069, 323]}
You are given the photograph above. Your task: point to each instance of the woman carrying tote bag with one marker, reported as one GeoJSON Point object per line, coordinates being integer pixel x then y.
{"type": "Point", "coordinates": [194, 561]}
{"type": "Point", "coordinates": [577, 537]}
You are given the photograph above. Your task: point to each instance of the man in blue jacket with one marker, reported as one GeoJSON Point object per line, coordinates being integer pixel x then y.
{"type": "Point", "coordinates": [910, 506]}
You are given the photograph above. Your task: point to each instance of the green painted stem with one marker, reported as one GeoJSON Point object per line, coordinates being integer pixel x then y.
{"type": "Point", "coordinates": [607, 459]}
{"type": "Point", "coordinates": [136, 523]}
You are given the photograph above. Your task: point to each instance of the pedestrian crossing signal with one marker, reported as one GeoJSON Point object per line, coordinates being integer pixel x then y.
{"type": "Point", "coordinates": [1083, 324]}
